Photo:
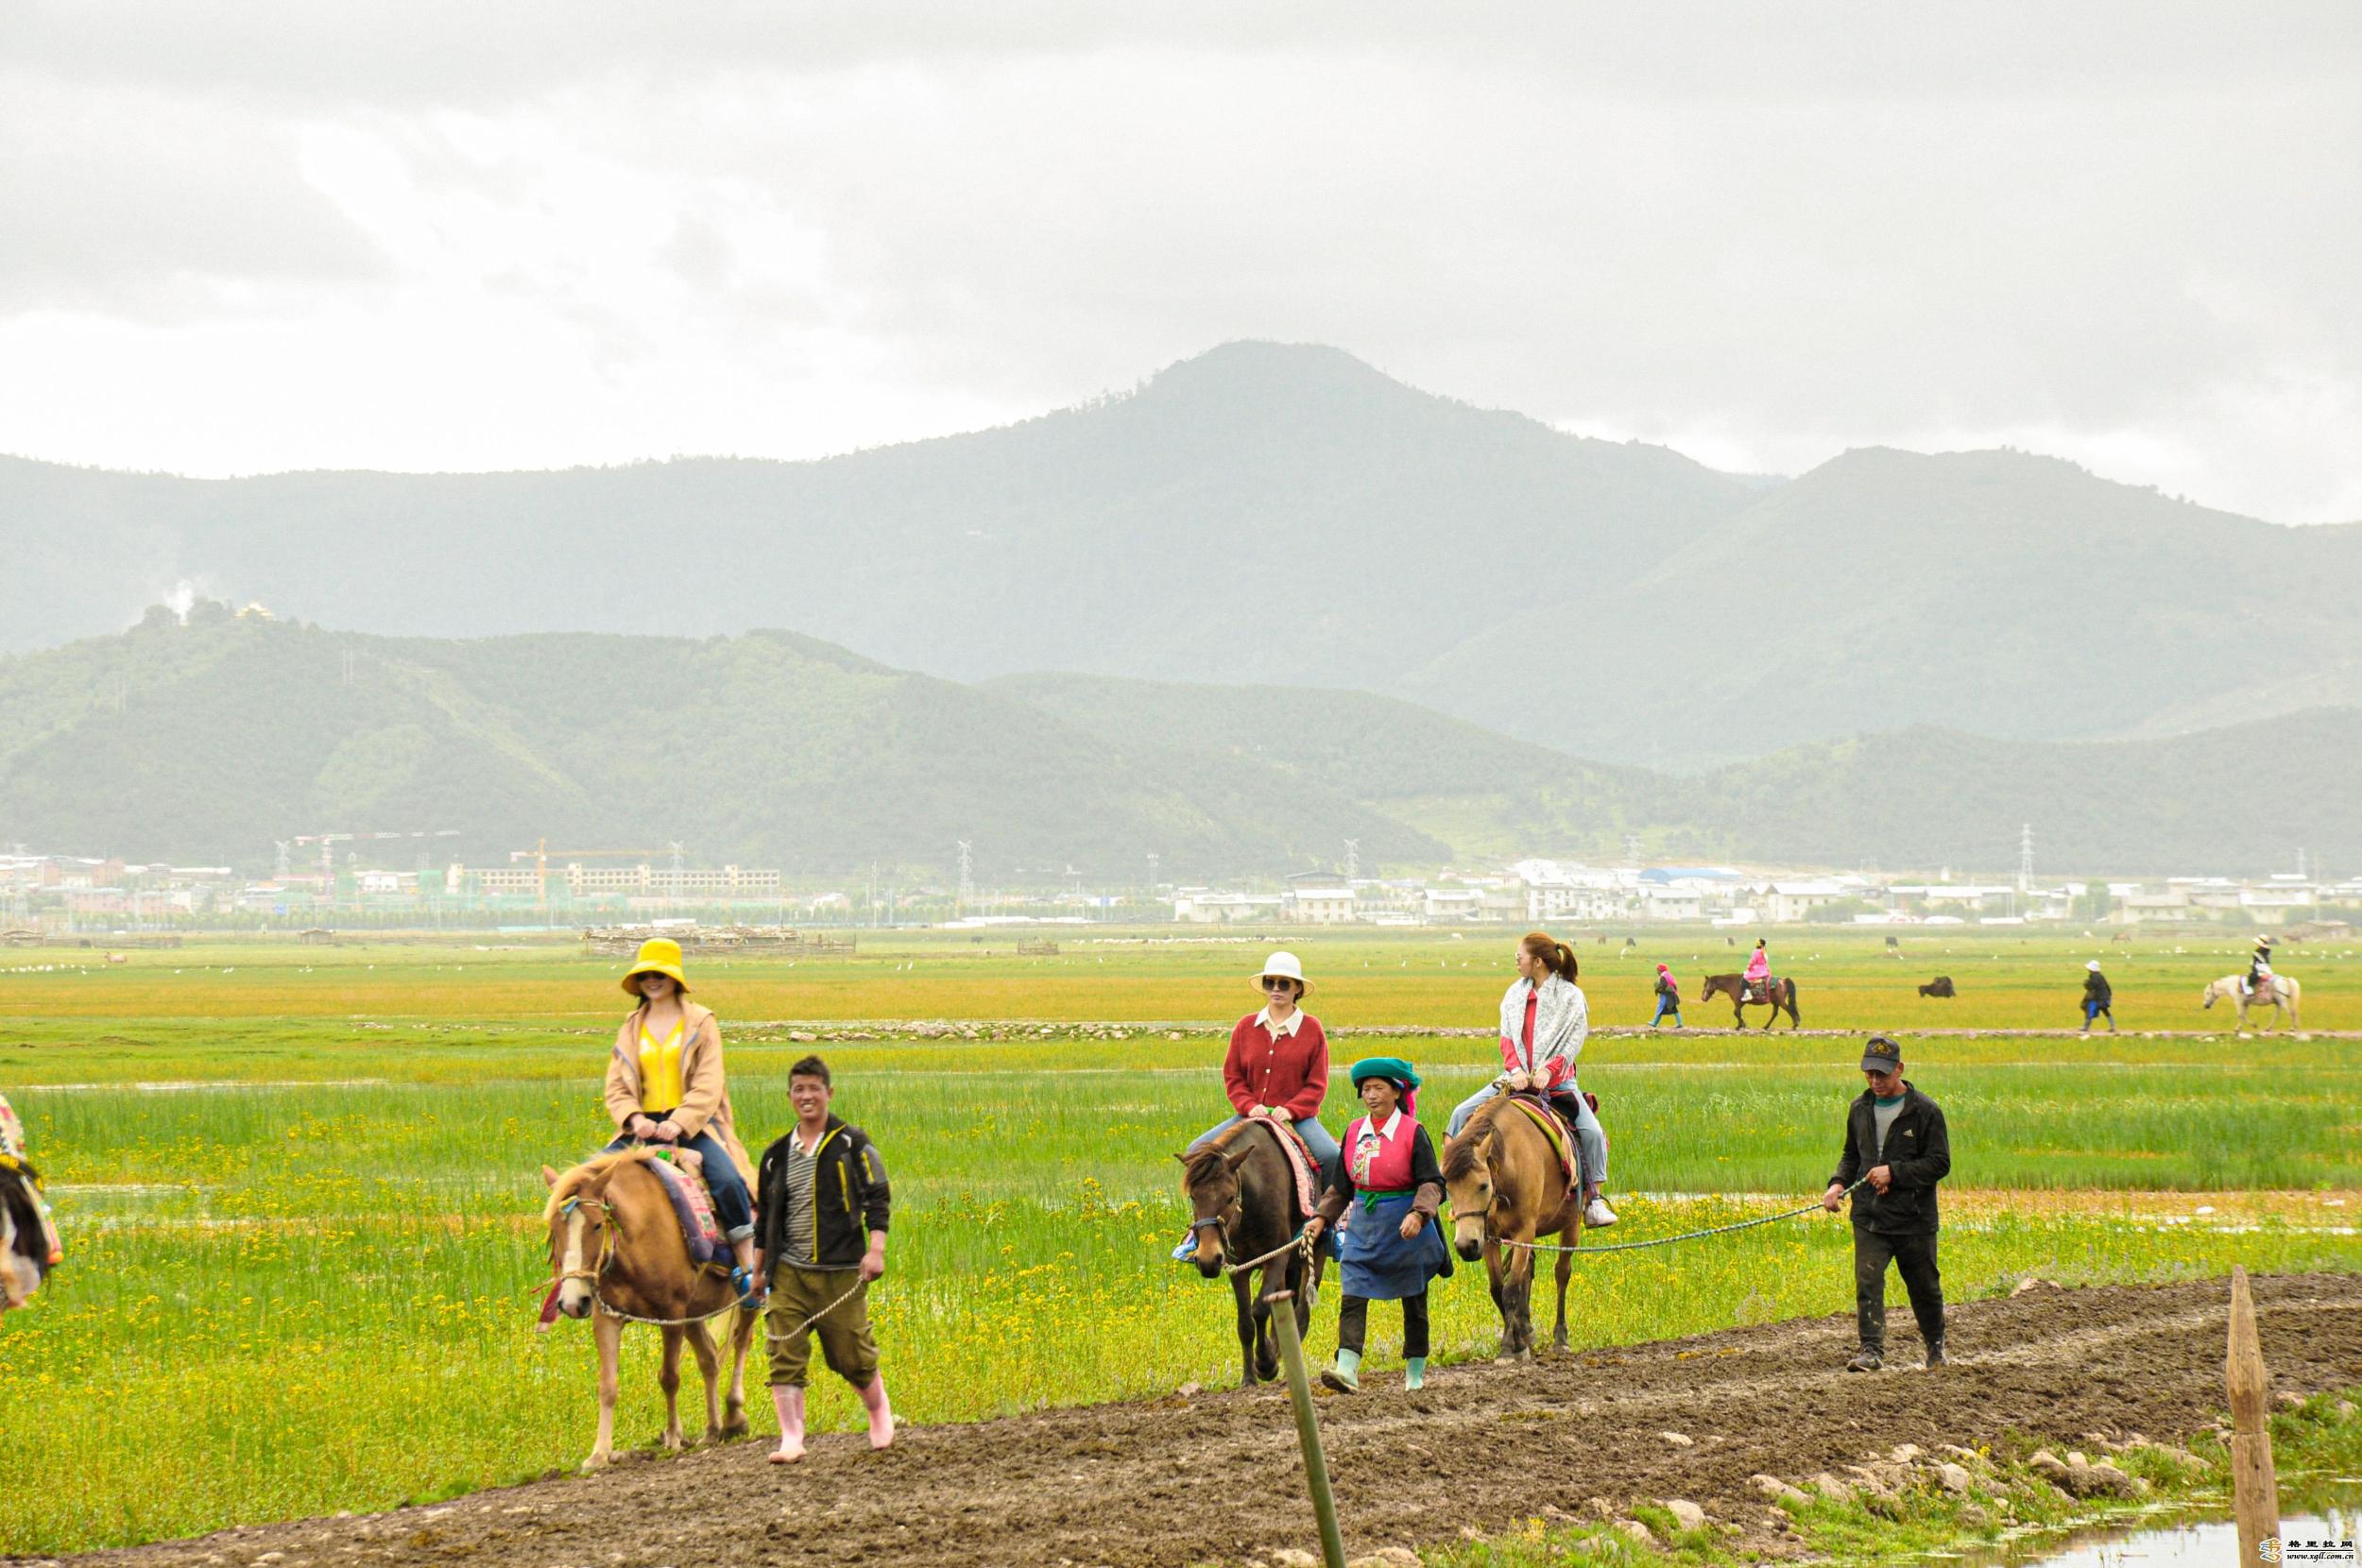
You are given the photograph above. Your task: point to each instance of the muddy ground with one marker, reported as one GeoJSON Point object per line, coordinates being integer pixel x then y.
{"type": "Point", "coordinates": [1214, 1477]}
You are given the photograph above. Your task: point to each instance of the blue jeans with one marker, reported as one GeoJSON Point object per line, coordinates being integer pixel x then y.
{"type": "Point", "coordinates": [1665, 1005]}
{"type": "Point", "coordinates": [733, 1205]}
{"type": "Point", "coordinates": [1589, 1132]}
{"type": "Point", "coordinates": [2092, 1012]}
{"type": "Point", "coordinates": [1315, 1138]}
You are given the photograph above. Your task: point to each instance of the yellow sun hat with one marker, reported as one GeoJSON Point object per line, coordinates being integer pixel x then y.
{"type": "Point", "coordinates": [659, 955]}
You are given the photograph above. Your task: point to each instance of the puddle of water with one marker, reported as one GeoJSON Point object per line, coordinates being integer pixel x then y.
{"type": "Point", "coordinates": [2332, 1523]}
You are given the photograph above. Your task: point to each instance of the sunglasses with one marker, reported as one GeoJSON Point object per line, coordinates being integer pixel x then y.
{"type": "Point", "coordinates": [1276, 982]}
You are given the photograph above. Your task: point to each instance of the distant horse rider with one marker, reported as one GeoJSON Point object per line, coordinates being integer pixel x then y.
{"type": "Point", "coordinates": [1545, 1020]}
{"type": "Point", "coordinates": [2259, 969]}
{"type": "Point", "coordinates": [2099, 999]}
{"type": "Point", "coordinates": [1759, 975]}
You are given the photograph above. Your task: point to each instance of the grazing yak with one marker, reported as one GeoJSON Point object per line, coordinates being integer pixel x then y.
{"type": "Point", "coordinates": [1940, 986]}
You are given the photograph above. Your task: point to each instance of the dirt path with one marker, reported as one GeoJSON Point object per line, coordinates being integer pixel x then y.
{"type": "Point", "coordinates": [1157, 1485]}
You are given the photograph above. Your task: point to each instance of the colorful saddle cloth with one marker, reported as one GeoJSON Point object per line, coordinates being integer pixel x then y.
{"type": "Point", "coordinates": [693, 1205]}
{"type": "Point", "coordinates": [1307, 1169]}
{"type": "Point", "coordinates": [1555, 1128]}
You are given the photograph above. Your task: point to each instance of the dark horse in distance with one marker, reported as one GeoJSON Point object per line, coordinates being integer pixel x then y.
{"type": "Point", "coordinates": [1780, 992]}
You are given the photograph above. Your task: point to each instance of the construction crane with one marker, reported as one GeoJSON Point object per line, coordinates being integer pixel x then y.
{"type": "Point", "coordinates": [540, 852]}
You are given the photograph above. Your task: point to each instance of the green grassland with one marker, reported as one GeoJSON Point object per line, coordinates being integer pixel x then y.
{"type": "Point", "coordinates": [301, 1186]}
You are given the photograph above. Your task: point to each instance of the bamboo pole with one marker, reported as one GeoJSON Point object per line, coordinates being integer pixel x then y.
{"type": "Point", "coordinates": [1283, 1314]}
{"type": "Point", "coordinates": [2256, 1493]}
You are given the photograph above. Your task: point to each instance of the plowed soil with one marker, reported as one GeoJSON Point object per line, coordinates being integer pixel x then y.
{"type": "Point", "coordinates": [1215, 1476]}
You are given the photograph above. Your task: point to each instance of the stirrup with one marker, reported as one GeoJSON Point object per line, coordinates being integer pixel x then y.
{"type": "Point", "coordinates": [743, 1281]}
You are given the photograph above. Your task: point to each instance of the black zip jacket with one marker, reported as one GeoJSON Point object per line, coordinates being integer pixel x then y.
{"type": "Point", "coordinates": [2096, 989]}
{"type": "Point", "coordinates": [1919, 1151]}
{"type": "Point", "coordinates": [849, 1197]}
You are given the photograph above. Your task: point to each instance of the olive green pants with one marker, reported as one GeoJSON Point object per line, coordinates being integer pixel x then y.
{"type": "Point", "coordinates": [846, 1342]}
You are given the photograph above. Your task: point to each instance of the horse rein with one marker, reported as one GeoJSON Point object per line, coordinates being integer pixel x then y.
{"type": "Point", "coordinates": [606, 1246]}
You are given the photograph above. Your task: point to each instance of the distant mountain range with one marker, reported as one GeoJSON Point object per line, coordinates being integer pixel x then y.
{"type": "Point", "coordinates": [1275, 515]}
{"type": "Point", "coordinates": [205, 743]}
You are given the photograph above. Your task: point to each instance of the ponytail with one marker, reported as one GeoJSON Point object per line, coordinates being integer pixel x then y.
{"type": "Point", "coordinates": [1555, 955]}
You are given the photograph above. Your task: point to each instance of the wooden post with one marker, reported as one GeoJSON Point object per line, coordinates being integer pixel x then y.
{"type": "Point", "coordinates": [1283, 1314]}
{"type": "Point", "coordinates": [2255, 1493]}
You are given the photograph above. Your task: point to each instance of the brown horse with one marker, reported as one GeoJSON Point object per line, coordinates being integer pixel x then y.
{"type": "Point", "coordinates": [1243, 1195]}
{"type": "Point", "coordinates": [1782, 992]}
{"type": "Point", "coordinates": [1507, 1184]}
{"type": "Point", "coordinates": [617, 1251]}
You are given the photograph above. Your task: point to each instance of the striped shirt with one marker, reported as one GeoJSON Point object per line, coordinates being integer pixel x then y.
{"type": "Point", "coordinates": [796, 1232]}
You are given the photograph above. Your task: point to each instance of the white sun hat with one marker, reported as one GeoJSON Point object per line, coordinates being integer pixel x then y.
{"type": "Point", "coordinates": [2092, 966]}
{"type": "Point", "coordinates": [1284, 964]}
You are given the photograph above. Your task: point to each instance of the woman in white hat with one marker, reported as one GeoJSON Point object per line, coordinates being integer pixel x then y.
{"type": "Point", "coordinates": [664, 1087]}
{"type": "Point", "coordinates": [1278, 1065]}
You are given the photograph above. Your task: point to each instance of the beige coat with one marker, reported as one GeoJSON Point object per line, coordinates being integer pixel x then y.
{"type": "Point", "coordinates": [705, 1100]}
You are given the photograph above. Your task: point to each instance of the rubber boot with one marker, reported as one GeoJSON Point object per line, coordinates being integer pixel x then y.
{"type": "Point", "coordinates": [1345, 1377]}
{"type": "Point", "coordinates": [873, 1399]}
{"type": "Point", "coordinates": [789, 1402]}
{"type": "Point", "coordinates": [1415, 1372]}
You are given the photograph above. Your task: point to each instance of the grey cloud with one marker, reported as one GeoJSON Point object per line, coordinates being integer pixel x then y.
{"type": "Point", "coordinates": [150, 208]}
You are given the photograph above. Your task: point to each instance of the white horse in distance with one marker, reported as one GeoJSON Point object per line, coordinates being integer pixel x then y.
{"type": "Point", "coordinates": [2284, 996]}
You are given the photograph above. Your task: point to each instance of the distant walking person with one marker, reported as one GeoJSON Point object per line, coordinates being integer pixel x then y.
{"type": "Point", "coordinates": [1759, 973]}
{"type": "Point", "coordinates": [825, 1205]}
{"type": "Point", "coordinates": [1895, 1135]}
{"type": "Point", "coordinates": [2098, 999]}
{"type": "Point", "coordinates": [1669, 998]}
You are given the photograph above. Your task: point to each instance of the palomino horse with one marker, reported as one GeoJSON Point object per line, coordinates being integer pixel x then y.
{"type": "Point", "coordinates": [617, 1251]}
{"type": "Point", "coordinates": [2286, 996]}
{"type": "Point", "coordinates": [1782, 992]}
{"type": "Point", "coordinates": [1507, 1184]}
{"type": "Point", "coordinates": [1242, 1194]}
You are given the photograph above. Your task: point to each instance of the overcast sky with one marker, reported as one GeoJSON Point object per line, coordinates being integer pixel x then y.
{"type": "Point", "coordinates": [244, 235]}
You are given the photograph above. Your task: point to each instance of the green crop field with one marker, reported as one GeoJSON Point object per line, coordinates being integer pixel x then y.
{"type": "Point", "coordinates": [301, 1186]}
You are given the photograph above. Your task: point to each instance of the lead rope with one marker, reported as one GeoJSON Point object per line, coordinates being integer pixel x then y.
{"type": "Point", "coordinates": [1668, 1241]}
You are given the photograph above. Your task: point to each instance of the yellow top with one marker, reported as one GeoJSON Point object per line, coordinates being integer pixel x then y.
{"type": "Point", "coordinates": [660, 1088]}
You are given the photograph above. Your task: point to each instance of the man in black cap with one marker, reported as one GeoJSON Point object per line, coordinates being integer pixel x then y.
{"type": "Point", "coordinates": [1895, 1136]}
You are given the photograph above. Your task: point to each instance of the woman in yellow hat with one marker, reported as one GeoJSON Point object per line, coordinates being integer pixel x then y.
{"type": "Point", "coordinates": [664, 1087]}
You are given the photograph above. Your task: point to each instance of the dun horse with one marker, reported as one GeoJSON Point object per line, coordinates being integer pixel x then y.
{"type": "Point", "coordinates": [1508, 1183]}
{"type": "Point", "coordinates": [1243, 1195]}
{"type": "Point", "coordinates": [1782, 992]}
{"type": "Point", "coordinates": [2285, 995]}
{"type": "Point", "coordinates": [617, 1251]}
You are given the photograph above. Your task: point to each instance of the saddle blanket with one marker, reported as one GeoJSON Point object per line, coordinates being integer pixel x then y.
{"type": "Point", "coordinates": [1300, 1162]}
{"type": "Point", "coordinates": [1559, 1135]}
{"type": "Point", "coordinates": [693, 1205]}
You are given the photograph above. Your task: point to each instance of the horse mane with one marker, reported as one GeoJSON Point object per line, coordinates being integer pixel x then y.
{"type": "Point", "coordinates": [1459, 1154]}
{"type": "Point", "coordinates": [591, 1172]}
{"type": "Point", "coordinates": [1197, 1165]}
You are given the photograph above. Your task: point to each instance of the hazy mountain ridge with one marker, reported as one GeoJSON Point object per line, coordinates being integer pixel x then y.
{"type": "Point", "coordinates": [1286, 515]}
{"type": "Point", "coordinates": [208, 741]}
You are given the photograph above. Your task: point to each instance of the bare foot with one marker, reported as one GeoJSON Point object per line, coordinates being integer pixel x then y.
{"type": "Point", "coordinates": [784, 1454]}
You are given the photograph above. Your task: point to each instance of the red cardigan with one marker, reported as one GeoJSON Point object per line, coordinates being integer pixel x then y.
{"type": "Point", "coordinates": [1290, 1072]}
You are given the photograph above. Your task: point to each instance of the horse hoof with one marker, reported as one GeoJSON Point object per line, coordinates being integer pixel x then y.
{"type": "Point", "coordinates": [733, 1429]}
{"type": "Point", "coordinates": [596, 1462]}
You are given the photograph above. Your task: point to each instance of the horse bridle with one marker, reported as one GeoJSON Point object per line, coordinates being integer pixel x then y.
{"type": "Point", "coordinates": [606, 1245]}
{"type": "Point", "coordinates": [1220, 1224]}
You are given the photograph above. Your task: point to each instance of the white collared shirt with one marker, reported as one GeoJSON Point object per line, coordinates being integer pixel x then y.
{"type": "Point", "coordinates": [1286, 1030]}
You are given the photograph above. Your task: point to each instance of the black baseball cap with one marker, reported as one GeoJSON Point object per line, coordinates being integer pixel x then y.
{"type": "Point", "coordinates": [1881, 1055]}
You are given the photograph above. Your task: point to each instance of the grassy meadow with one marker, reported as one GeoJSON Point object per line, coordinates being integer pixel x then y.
{"type": "Point", "coordinates": [301, 1186]}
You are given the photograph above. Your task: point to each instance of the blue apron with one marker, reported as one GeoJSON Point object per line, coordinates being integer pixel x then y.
{"type": "Point", "coordinates": [1374, 1262]}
